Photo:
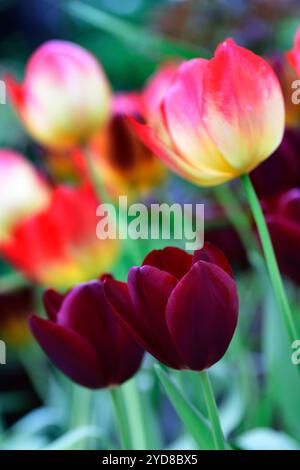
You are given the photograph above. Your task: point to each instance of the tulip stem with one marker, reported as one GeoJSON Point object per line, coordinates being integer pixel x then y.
{"type": "Point", "coordinates": [120, 415]}
{"type": "Point", "coordinates": [212, 410]}
{"type": "Point", "coordinates": [134, 408]}
{"type": "Point", "coordinates": [94, 178]}
{"type": "Point", "coordinates": [270, 257]}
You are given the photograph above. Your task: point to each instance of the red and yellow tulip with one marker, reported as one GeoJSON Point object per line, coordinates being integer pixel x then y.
{"type": "Point", "coordinates": [221, 117]}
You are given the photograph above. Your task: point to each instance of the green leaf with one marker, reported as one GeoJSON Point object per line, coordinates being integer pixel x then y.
{"type": "Point", "coordinates": [141, 39]}
{"type": "Point", "coordinates": [194, 421]}
{"type": "Point", "coordinates": [72, 439]}
{"type": "Point", "coordinates": [282, 381]}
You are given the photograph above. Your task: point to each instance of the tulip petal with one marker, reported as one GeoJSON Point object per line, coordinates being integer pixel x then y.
{"type": "Point", "coordinates": [212, 254]}
{"type": "Point", "coordinates": [202, 314]}
{"type": "Point", "coordinates": [285, 237]}
{"type": "Point", "coordinates": [184, 168]}
{"type": "Point", "coordinates": [87, 311]}
{"type": "Point", "coordinates": [186, 123]}
{"type": "Point", "coordinates": [289, 205]}
{"type": "Point", "coordinates": [69, 352]}
{"type": "Point", "coordinates": [171, 260]}
{"type": "Point", "coordinates": [244, 106]}
{"type": "Point", "coordinates": [52, 301]}
{"type": "Point", "coordinates": [149, 290]}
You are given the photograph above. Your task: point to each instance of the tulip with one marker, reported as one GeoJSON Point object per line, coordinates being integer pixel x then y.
{"type": "Point", "coordinates": [182, 309]}
{"type": "Point", "coordinates": [58, 246]}
{"type": "Point", "coordinates": [281, 171]}
{"type": "Point", "coordinates": [283, 218]}
{"type": "Point", "coordinates": [123, 163]}
{"type": "Point", "coordinates": [65, 96]}
{"type": "Point", "coordinates": [222, 117]}
{"type": "Point", "coordinates": [83, 338]}
{"type": "Point", "coordinates": [293, 56]}
{"type": "Point", "coordinates": [22, 190]}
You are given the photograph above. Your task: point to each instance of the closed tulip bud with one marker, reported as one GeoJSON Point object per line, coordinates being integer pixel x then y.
{"type": "Point", "coordinates": [183, 309]}
{"type": "Point", "coordinates": [294, 55]}
{"type": "Point", "coordinates": [222, 117]}
{"type": "Point", "coordinates": [58, 246]}
{"type": "Point", "coordinates": [283, 218]}
{"type": "Point", "coordinates": [22, 191]}
{"type": "Point", "coordinates": [65, 96]}
{"type": "Point", "coordinates": [83, 338]}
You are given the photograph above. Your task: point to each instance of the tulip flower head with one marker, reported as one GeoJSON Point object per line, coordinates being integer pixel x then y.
{"type": "Point", "coordinates": [222, 117]}
{"type": "Point", "coordinates": [83, 338]}
{"type": "Point", "coordinates": [22, 191]}
{"type": "Point", "coordinates": [58, 246]}
{"type": "Point", "coordinates": [183, 309]}
{"type": "Point", "coordinates": [65, 96]}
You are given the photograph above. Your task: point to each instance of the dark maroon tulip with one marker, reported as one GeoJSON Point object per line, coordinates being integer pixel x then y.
{"type": "Point", "coordinates": [182, 309]}
{"type": "Point", "coordinates": [84, 339]}
{"type": "Point", "coordinates": [281, 171]}
{"type": "Point", "coordinates": [283, 218]}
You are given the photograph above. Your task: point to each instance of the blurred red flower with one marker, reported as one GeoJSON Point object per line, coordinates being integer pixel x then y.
{"type": "Point", "coordinates": [58, 246]}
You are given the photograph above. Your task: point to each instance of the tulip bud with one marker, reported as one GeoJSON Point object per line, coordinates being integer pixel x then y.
{"type": "Point", "coordinates": [65, 96]}
{"type": "Point", "coordinates": [58, 247]}
{"type": "Point", "coordinates": [222, 117]}
{"type": "Point", "coordinates": [84, 339]}
{"type": "Point", "coordinates": [22, 191]}
{"type": "Point", "coordinates": [184, 308]}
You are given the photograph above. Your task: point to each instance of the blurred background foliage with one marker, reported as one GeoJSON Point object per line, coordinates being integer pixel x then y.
{"type": "Point", "coordinates": [127, 37]}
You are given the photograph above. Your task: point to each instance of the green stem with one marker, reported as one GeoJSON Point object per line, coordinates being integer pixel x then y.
{"type": "Point", "coordinates": [134, 408]}
{"type": "Point", "coordinates": [94, 178]}
{"type": "Point", "coordinates": [270, 257]}
{"type": "Point", "coordinates": [80, 411]}
{"type": "Point", "coordinates": [118, 404]}
{"type": "Point", "coordinates": [212, 410]}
